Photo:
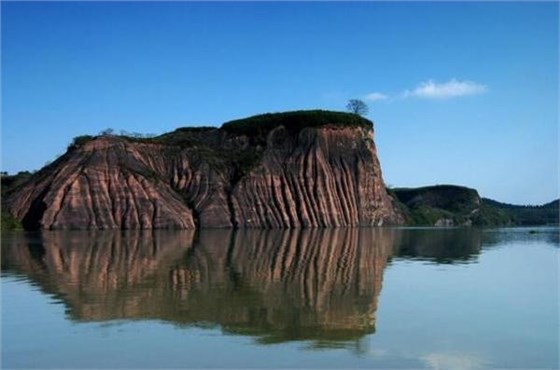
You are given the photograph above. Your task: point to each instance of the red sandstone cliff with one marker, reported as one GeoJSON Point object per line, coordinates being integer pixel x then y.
{"type": "Point", "coordinates": [277, 173]}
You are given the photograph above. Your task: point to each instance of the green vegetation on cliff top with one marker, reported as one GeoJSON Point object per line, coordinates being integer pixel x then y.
{"type": "Point", "coordinates": [294, 121]}
{"type": "Point", "coordinates": [242, 158]}
{"type": "Point", "coordinates": [256, 128]}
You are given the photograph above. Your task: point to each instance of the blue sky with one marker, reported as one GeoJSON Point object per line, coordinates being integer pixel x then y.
{"type": "Point", "coordinates": [460, 93]}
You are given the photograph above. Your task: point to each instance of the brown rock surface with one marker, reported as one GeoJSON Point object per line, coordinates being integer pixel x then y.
{"type": "Point", "coordinates": [327, 177]}
{"type": "Point", "coordinates": [324, 175]}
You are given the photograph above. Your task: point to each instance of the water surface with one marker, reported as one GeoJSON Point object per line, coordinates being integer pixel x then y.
{"type": "Point", "coordinates": [341, 298]}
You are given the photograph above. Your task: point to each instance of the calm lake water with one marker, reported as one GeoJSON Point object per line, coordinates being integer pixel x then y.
{"type": "Point", "coordinates": [345, 298]}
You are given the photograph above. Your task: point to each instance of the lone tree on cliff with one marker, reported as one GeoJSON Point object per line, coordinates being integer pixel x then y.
{"type": "Point", "coordinates": [357, 106]}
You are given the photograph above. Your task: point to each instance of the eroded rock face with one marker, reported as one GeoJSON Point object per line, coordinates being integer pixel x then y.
{"type": "Point", "coordinates": [315, 177]}
{"type": "Point", "coordinates": [326, 177]}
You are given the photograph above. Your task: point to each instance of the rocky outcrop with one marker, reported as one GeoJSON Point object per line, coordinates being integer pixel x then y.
{"type": "Point", "coordinates": [290, 170]}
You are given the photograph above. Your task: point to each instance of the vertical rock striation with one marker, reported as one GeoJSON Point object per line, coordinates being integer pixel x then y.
{"type": "Point", "coordinates": [289, 170]}
{"type": "Point", "coordinates": [320, 177]}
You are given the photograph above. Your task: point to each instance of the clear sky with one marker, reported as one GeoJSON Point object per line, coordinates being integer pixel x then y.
{"type": "Point", "coordinates": [460, 93]}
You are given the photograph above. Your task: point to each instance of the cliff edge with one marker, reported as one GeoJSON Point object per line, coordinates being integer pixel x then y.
{"type": "Point", "coordinates": [286, 170]}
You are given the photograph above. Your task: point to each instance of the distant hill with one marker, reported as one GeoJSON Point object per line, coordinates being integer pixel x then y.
{"type": "Point", "coordinates": [546, 214]}
{"type": "Point", "coordinates": [451, 205]}
{"type": "Point", "coordinates": [440, 205]}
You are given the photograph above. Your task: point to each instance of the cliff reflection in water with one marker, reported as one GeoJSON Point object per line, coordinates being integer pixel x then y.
{"type": "Point", "coordinates": [321, 285]}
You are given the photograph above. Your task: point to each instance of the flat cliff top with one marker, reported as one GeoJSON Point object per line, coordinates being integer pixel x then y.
{"type": "Point", "coordinates": [254, 128]}
{"type": "Point", "coordinates": [294, 121]}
